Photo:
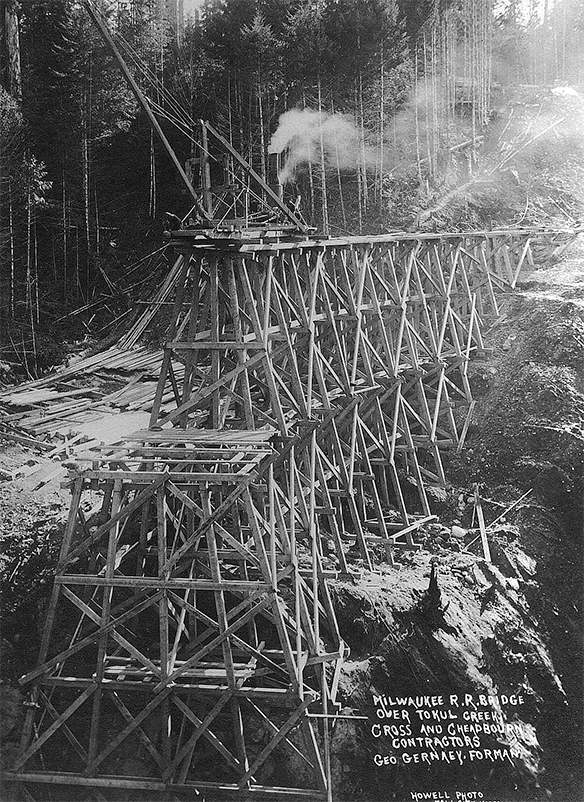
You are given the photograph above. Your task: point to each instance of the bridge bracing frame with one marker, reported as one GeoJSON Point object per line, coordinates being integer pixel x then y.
{"type": "Point", "coordinates": [307, 394]}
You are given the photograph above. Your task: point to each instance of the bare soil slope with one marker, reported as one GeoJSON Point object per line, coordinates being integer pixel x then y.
{"type": "Point", "coordinates": [510, 627]}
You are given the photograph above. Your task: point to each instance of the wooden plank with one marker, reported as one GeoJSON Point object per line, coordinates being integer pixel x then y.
{"type": "Point", "coordinates": [200, 436]}
{"type": "Point", "coordinates": [219, 597]}
{"type": "Point", "coordinates": [275, 607]}
{"type": "Point", "coordinates": [273, 743]}
{"type": "Point", "coordinates": [50, 731]}
{"type": "Point", "coordinates": [273, 730]}
{"type": "Point", "coordinates": [55, 594]}
{"type": "Point", "coordinates": [245, 647]}
{"type": "Point", "coordinates": [203, 393]}
{"type": "Point", "coordinates": [178, 583]}
{"type": "Point", "coordinates": [219, 512]}
{"type": "Point", "coordinates": [238, 332]}
{"type": "Point", "coordinates": [64, 778]}
{"type": "Point", "coordinates": [185, 754]}
{"type": "Point", "coordinates": [104, 632]}
{"type": "Point", "coordinates": [191, 452]}
{"type": "Point", "coordinates": [64, 728]}
{"type": "Point", "coordinates": [482, 528]}
{"type": "Point", "coordinates": [133, 723]}
{"type": "Point", "coordinates": [45, 667]}
{"type": "Point", "coordinates": [216, 345]}
{"type": "Point", "coordinates": [271, 355]}
{"type": "Point", "coordinates": [207, 733]}
{"type": "Point", "coordinates": [121, 515]}
{"type": "Point", "coordinates": [139, 478]}
{"type": "Point", "coordinates": [27, 441]}
{"type": "Point", "coordinates": [244, 552]}
{"type": "Point", "coordinates": [209, 647]}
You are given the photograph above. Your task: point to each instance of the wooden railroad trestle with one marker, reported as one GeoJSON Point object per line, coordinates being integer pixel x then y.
{"type": "Point", "coordinates": [307, 393]}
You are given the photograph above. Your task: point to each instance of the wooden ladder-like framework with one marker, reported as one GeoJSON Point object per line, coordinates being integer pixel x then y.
{"type": "Point", "coordinates": [199, 639]}
{"type": "Point", "coordinates": [307, 393]}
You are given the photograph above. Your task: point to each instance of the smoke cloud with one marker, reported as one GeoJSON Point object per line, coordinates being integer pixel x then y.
{"type": "Point", "coordinates": [309, 136]}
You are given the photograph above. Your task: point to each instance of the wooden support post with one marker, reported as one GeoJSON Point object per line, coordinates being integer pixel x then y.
{"type": "Point", "coordinates": [481, 522]}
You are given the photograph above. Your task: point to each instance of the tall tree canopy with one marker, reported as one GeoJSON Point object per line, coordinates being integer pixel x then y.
{"type": "Point", "coordinates": [383, 90]}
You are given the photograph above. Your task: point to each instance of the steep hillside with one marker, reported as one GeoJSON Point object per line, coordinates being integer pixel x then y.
{"type": "Point", "coordinates": [492, 653]}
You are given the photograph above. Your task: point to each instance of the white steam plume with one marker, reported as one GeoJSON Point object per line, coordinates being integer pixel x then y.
{"type": "Point", "coordinates": [303, 132]}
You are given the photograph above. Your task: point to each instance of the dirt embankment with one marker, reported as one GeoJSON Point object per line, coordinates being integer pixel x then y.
{"type": "Point", "coordinates": [506, 630]}
{"type": "Point", "coordinates": [31, 531]}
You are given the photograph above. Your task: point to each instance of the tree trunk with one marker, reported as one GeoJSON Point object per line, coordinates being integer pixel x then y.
{"type": "Point", "coordinates": [36, 274]}
{"type": "Point", "coordinates": [28, 237]}
{"type": "Point", "coordinates": [29, 271]}
{"type": "Point", "coordinates": [97, 234]}
{"type": "Point", "coordinates": [11, 234]}
{"type": "Point", "coordinates": [362, 126]}
{"type": "Point", "coordinates": [10, 44]}
{"type": "Point", "coordinates": [86, 201]}
{"type": "Point", "coordinates": [358, 170]}
{"type": "Point", "coordinates": [417, 120]}
{"type": "Point", "coordinates": [339, 181]}
{"type": "Point", "coordinates": [262, 132]}
{"type": "Point", "coordinates": [310, 173]}
{"type": "Point", "coordinates": [381, 128]}
{"type": "Point", "coordinates": [65, 243]}
{"type": "Point", "coordinates": [323, 185]}
{"type": "Point", "coordinates": [152, 203]}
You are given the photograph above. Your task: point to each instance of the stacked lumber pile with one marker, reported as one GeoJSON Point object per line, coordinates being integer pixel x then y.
{"type": "Point", "coordinates": [81, 406]}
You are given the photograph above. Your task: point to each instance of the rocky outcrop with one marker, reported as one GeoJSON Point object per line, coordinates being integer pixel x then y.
{"type": "Point", "coordinates": [455, 636]}
{"type": "Point", "coordinates": [446, 623]}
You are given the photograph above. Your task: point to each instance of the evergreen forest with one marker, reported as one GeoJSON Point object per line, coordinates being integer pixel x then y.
{"type": "Point", "coordinates": [391, 115]}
